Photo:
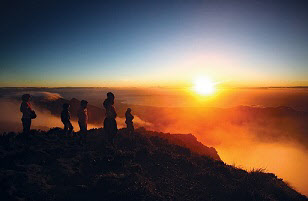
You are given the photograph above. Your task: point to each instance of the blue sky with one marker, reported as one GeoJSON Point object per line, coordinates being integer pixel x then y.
{"type": "Point", "coordinates": [145, 43]}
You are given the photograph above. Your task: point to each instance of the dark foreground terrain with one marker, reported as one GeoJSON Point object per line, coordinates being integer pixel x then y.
{"type": "Point", "coordinates": [147, 166]}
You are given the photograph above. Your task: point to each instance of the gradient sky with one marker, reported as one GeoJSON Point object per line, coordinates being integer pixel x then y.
{"type": "Point", "coordinates": [153, 43]}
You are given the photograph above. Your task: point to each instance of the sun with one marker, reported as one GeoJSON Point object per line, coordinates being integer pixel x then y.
{"type": "Point", "coordinates": [204, 86]}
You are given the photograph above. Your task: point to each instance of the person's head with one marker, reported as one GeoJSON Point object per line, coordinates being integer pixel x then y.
{"type": "Point", "coordinates": [65, 106]}
{"type": "Point", "coordinates": [129, 110]}
{"type": "Point", "coordinates": [84, 103]}
{"type": "Point", "coordinates": [110, 97]}
{"type": "Point", "coordinates": [25, 97]}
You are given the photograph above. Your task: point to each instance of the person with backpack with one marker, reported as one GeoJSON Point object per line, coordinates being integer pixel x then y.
{"type": "Point", "coordinates": [27, 113]}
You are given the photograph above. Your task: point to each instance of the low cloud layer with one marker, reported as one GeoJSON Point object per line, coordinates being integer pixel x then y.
{"type": "Point", "coordinates": [137, 122]}
{"type": "Point", "coordinates": [48, 95]}
{"type": "Point", "coordinates": [275, 143]}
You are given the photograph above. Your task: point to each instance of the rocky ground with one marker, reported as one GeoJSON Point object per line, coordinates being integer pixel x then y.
{"type": "Point", "coordinates": [146, 166]}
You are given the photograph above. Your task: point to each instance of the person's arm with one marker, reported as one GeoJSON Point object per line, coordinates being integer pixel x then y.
{"type": "Point", "coordinates": [30, 111]}
{"type": "Point", "coordinates": [86, 115]}
{"type": "Point", "coordinates": [21, 107]}
{"type": "Point", "coordinates": [114, 112]}
{"type": "Point", "coordinates": [28, 108]}
{"type": "Point", "coordinates": [62, 116]}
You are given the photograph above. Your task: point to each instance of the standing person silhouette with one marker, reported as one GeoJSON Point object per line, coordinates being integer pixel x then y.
{"type": "Point", "coordinates": [83, 116]}
{"type": "Point", "coordinates": [66, 119]}
{"type": "Point", "coordinates": [83, 120]}
{"type": "Point", "coordinates": [27, 113]}
{"type": "Point", "coordinates": [129, 121]}
{"type": "Point", "coordinates": [110, 124]}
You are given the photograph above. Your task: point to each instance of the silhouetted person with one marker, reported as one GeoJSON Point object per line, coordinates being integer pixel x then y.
{"type": "Point", "coordinates": [65, 118]}
{"type": "Point", "coordinates": [83, 120]}
{"type": "Point", "coordinates": [110, 124]}
{"type": "Point", "coordinates": [129, 121]}
{"type": "Point", "coordinates": [27, 113]}
{"type": "Point", "coordinates": [83, 116]}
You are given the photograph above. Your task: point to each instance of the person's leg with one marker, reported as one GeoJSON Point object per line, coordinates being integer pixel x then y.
{"type": "Point", "coordinates": [29, 124]}
{"type": "Point", "coordinates": [107, 130]}
{"type": "Point", "coordinates": [24, 127]}
{"type": "Point", "coordinates": [127, 128]}
{"type": "Point", "coordinates": [26, 123]}
{"type": "Point", "coordinates": [114, 130]}
{"type": "Point", "coordinates": [105, 125]}
{"type": "Point", "coordinates": [115, 126]}
{"type": "Point", "coordinates": [83, 127]}
{"type": "Point", "coordinates": [70, 127]}
{"type": "Point", "coordinates": [130, 128]}
{"type": "Point", "coordinates": [65, 127]}
{"type": "Point", "coordinates": [80, 132]}
{"type": "Point", "coordinates": [84, 131]}
{"type": "Point", "coordinates": [80, 125]}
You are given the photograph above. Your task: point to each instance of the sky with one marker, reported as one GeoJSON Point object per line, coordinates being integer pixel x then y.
{"type": "Point", "coordinates": [153, 43]}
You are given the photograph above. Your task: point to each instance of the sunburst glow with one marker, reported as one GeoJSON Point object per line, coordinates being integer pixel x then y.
{"type": "Point", "coordinates": [204, 86]}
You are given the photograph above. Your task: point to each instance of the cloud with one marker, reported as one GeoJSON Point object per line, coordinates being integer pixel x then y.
{"type": "Point", "coordinates": [138, 122]}
{"type": "Point", "coordinates": [44, 94]}
{"type": "Point", "coordinates": [48, 95]}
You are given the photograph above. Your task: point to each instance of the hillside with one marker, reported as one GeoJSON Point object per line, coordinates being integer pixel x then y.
{"type": "Point", "coordinates": [50, 166]}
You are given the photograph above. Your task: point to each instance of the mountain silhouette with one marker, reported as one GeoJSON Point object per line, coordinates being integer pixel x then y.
{"type": "Point", "coordinates": [145, 166]}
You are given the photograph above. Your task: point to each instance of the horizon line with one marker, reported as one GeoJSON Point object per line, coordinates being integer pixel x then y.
{"type": "Point", "coordinates": [170, 87]}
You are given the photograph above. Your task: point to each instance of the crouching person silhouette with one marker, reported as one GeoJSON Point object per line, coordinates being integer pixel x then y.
{"type": "Point", "coordinates": [65, 118]}
{"type": "Point", "coordinates": [110, 124]}
{"type": "Point", "coordinates": [83, 120]}
{"type": "Point", "coordinates": [129, 121]}
{"type": "Point", "coordinates": [27, 113]}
